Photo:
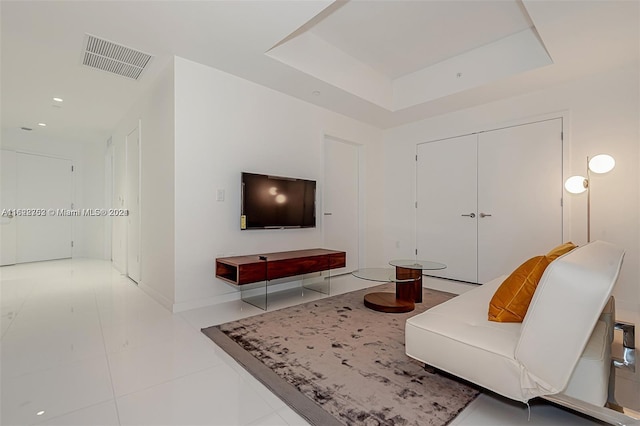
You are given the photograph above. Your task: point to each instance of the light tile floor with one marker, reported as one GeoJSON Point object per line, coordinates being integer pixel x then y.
{"type": "Point", "coordinates": [82, 345]}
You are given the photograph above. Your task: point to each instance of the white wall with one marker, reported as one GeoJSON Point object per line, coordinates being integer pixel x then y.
{"type": "Point", "coordinates": [602, 117]}
{"type": "Point", "coordinates": [92, 186]}
{"type": "Point", "coordinates": [226, 125]}
{"type": "Point", "coordinates": [154, 112]}
{"type": "Point", "coordinates": [88, 182]}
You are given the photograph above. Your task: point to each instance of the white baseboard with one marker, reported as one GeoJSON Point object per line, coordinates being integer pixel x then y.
{"type": "Point", "coordinates": [118, 267]}
{"type": "Point", "coordinates": [157, 296]}
{"type": "Point", "coordinates": [275, 286]}
{"type": "Point", "coordinates": [450, 286]}
{"type": "Point", "coordinates": [202, 303]}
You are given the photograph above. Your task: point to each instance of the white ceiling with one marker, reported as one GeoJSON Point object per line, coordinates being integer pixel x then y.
{"type": "Point", "coordinates": [401, 37]}
{"type": "Point", "coordinates": [41, 46]}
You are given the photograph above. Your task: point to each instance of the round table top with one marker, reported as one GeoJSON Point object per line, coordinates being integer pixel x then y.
{"type": "Point", "coordinates": [417, 264]}
{"type": "Point", "coordinates": [385, 275]}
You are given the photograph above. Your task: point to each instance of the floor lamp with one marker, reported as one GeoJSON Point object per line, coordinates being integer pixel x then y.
{"type": "Point", "coordinates": [604, 163]}
{"type": "Point", "coordinates": [601, 163]}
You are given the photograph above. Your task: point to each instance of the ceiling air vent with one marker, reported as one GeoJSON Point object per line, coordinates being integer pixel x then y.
{"type": "Point", "coordinates": [114, 58]}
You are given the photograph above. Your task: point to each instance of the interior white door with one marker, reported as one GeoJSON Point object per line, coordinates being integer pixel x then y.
{"type": "Point", "coordinates": [519, 195]}
{"type": "Point", "coordinates": [43, 183]}
{"type": "Point", "coordinates": [341, 201]}
{"type": "Point", "coordinates": [133, 204]}
{"type": "Point", "coordinates": [446, 194]}
{"type": "Point", "coordinates": [7, 203]}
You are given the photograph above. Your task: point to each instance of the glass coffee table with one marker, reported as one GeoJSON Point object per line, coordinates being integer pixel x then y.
{"type": "Point", "coordinates": [407, 276]}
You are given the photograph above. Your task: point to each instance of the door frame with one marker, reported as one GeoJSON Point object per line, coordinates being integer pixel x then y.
{"type": "Point", "coordinates": [109, 185]}
{"type": "Point", "coordinates": [137, 129]}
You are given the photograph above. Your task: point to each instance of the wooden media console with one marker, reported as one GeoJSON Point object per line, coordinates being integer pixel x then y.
{"type": "Point", "coordinates": [239, 270]}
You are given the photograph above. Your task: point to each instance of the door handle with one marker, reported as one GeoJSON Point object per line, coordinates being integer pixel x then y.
{"type": "Point", "coordinates": [471, 215]}
{"type": "Point", "coordinates": [328, 214]}
{"type": "Point", "coordinates": [484, 215]}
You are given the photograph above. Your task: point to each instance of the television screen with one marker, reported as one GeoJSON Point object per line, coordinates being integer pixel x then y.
{"type": "Point", "coordinates": [277, 202]}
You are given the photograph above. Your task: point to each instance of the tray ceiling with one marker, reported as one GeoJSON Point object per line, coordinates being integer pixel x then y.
{"type": "Point", "coordinates": [382, 62]}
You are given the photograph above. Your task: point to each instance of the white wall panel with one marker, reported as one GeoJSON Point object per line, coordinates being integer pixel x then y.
{"type": "Point", "coordinates": [226, 125]}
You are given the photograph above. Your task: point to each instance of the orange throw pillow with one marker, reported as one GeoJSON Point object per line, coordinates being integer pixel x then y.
{"type": "Point", "coordinates": [511, 301]}
{"type": "Point", "coordinates": [556, 252]}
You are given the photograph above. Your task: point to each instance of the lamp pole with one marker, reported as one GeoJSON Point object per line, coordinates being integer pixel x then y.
{"type": "Point", "coordinates": [587, 184]}
{"type": "Point", "coordinates": [602, 163]}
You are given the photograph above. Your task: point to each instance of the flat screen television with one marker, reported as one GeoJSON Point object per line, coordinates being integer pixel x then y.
{"type": "Point", "coordinates": [276, 202]}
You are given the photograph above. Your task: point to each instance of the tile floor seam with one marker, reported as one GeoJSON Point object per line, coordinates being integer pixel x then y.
{"type": "Point", "coordinates": [45, 421]}
{"type": "Point", "coordinates": [106, 355]}
{"type": "Point", "coordinates": [53, 367]}
{"type": "Point", "coordinates": [16, 315]}
{"type": "Point", "coordinates": [266, 416]}
{"type": "Point", "coordinates": [182, 376]}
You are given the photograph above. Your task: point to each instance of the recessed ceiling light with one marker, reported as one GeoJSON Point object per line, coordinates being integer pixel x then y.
{"type": "Point", "coordinates": [57, 99]}
{"type": "Point", "coordinates": [39, 413]}
{"type": "Point", "coordinates": [42, 124]}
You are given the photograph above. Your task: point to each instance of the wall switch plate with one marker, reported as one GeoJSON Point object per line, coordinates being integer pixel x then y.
{"type": "Point", "coordinates": [220, 195]}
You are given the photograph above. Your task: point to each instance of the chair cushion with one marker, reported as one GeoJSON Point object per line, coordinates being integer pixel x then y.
{"type": "Point", "coordinates": [511, 301]}
{"type": "Point", "coordinates": [456, 337]}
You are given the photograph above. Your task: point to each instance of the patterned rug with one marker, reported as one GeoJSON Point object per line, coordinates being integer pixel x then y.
{"type": "Point", "coordinates": [334, 361]}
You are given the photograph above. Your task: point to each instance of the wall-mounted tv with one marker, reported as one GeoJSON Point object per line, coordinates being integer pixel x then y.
{"type": "Point", "coordinates": [275, 202]}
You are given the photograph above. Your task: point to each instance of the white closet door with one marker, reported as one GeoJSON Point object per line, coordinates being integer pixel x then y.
{"type": "Point", "coordinates": [446, 192]}
{"type": "Point", "coordinates": [43, 183]}
{"type": "Point", "coordinates": [340, 218]}
{"type": "Point", "coordinates": [520, 187]}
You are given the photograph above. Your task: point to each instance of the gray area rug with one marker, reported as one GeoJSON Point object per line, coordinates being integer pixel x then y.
{"type": "Point", "coordinates": [334, 361]}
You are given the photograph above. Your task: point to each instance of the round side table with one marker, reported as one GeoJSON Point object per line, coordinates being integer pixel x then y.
{"type": "Point", "coordinates": [412, 268]}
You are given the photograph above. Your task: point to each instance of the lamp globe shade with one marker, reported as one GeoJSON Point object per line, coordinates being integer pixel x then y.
{"type": "Point", "coordinates": [575, 184]}
{"type": "Point", "coordinates": [602, 163]}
